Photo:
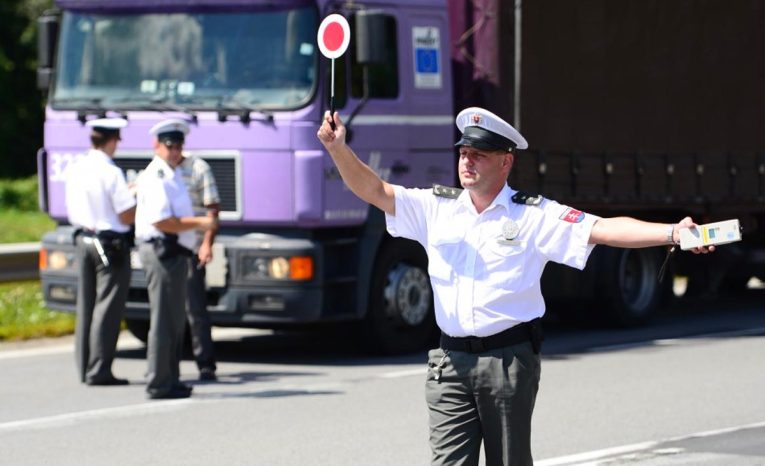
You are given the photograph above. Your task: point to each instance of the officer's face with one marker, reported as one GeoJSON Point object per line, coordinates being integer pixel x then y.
{"type": "Point", "coordinates": [483, 170]}
{"type": "Point", "coordinates": [172, 154]}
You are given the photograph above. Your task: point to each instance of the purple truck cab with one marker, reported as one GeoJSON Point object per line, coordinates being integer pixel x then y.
{"type": "Point", "coordinates": [249, 77]}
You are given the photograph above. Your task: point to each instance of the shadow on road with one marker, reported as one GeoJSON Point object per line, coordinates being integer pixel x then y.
{"type": "Point", "coordinates": [738, 315]}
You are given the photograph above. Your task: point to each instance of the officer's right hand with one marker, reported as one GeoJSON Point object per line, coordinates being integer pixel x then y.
{"type": "Point", "coordinates": [331, 139]}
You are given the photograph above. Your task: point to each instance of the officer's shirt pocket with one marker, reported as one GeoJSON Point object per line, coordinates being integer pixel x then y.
{"type": "Point", "coordinates": [503, 263]}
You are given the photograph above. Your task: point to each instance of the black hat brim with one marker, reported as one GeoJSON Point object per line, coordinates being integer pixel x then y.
{"type": "Point", "coordinates": [482, 139]}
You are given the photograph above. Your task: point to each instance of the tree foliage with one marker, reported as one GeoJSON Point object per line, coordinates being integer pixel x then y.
{"type": "Point", "coordinates": [21, 103]}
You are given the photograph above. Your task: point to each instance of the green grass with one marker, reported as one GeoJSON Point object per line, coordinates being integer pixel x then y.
{"type": "Point", "coordinates": [20, 220]}
{"type": "Point", "coordinates": [23, 314]}
{"type": "Point", "coordinates": [19, 226]}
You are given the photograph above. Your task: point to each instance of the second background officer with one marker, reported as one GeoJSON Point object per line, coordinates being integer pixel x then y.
{"type": "Point", "coordinates": [165, 225]}
{"type": "Point", "coordinates": [203, 191]}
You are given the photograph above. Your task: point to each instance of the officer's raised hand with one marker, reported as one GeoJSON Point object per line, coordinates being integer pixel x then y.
{"type": "Point", "coordinates": [327, 136]}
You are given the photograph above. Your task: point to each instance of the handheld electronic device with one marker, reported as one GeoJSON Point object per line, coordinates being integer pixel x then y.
{"type": "Point", "coordinates": [727, 231]}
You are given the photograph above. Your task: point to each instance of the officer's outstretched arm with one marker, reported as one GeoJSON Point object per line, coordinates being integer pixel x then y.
{"type": "Point", "coordinates": [357, 175]}
{"type": "Point", "coordinates": [179, 224]}
{"type": "Point", "coordinates": [627, 232]}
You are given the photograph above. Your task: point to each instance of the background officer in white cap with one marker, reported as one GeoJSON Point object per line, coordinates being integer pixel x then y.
{"type": "Point", "coordinates": [165, 225]}
{"type": "Point", "coordinates": [101, 207]}
{"type": "Point", "coordinates": [487, 246]}
{"type": "Point", "coordinates": [200, 182]}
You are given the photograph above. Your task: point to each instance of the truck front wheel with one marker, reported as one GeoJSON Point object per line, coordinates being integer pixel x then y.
{"type": "Point", "coordinates": [400, 315]}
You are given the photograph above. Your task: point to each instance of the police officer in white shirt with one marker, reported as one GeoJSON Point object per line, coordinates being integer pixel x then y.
{"type": "Point", "coordinates": [101, 208]}
{"type": "Point", "coordinates": [164, 229]}
{"type": "Point", "coordinates": [487, 246]}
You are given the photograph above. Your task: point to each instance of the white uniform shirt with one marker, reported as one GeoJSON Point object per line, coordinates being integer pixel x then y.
{"type": "Point", "coordinates": [162, 194]}
{"type": "Point", "coordinates": [96, 193]}
{"type": "Point", "coordinates": [482, 282]}
{"type": "Point", "coordinates": [200, 182]}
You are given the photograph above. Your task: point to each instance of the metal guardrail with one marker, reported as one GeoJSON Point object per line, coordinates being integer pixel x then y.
{"type": "Point", "coordinates": [19, 261]}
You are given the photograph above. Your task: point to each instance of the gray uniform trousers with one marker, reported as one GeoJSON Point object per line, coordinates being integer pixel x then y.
{"type": "Point", "coordinates": [101, 295]}
{"type": "Point", "coordinates": [485, 396]}
{"type": "Point", "coordinates": [199, 319]}
{"type": "Point", "coordinates": [166, 283]}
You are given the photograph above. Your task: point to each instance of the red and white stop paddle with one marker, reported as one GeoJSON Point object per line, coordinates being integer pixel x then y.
{"type": "Point", "coordinates": [333, 38]}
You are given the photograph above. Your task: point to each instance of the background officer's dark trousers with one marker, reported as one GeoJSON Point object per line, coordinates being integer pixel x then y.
{"type": "Point", "coordinates": [166, 280]}
{"type": "Point", "coordinates": [199, 319]}
{"type": "Point", "coordinates": [101, 296]}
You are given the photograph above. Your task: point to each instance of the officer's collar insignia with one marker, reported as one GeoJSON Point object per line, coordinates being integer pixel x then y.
{"type": "Point", "coordinates": [510, 230]}
{"type": "Point", "coordinates": [161, 173]}
{"type": "Point", "coordinates": [526, 198]}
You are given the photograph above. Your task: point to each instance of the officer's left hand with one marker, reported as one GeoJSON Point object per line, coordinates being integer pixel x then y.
{"type": "Point", "coordinates": [688, 223]}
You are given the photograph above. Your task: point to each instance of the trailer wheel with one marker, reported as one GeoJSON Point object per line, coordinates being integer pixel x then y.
{"type": "Point", "coordinates": [400, 315]}
{"type": "Point", "coordinates": [139, 328]}
{"type": "Point", "coordinates": [631, 291]}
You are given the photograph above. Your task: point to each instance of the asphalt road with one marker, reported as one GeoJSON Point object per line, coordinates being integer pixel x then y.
{"type": "Point", "coordinates": [686, 390]}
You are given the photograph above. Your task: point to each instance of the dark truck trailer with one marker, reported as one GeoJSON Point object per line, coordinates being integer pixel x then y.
{"type": "Point", "coordinates": [647, 108]}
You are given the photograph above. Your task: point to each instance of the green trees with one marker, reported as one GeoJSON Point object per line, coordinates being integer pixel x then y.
{"type": "Point", "coordinates": [21, 104]}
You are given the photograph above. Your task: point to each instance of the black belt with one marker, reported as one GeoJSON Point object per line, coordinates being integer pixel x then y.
{"type": "Point", "coordinates": [102, 234]}
{"type": "Point", "coordinates": [527, 331]}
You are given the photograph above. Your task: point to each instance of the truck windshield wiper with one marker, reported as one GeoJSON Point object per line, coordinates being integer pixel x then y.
{"type": "Point", "coordinates": [230, 106]}
{"type": "Point", "coordinates": [163, 104]}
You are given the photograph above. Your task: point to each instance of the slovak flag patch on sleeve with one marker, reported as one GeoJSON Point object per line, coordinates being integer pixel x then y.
{"type": "Point", "coordinates": [572, 215]}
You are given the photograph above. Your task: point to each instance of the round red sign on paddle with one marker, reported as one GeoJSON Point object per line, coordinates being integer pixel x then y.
{"type": "Point", "coordinates": [334, 36]}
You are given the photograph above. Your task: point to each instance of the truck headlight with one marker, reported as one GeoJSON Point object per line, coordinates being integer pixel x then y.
{"type": "Point", "coordinates": [55, 260]}
{"type": "Point", "coordinates": [277, 268]}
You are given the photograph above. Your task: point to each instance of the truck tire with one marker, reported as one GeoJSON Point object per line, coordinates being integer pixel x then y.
{"type": "Point", "coordinates": [139, 328]}
{"type": "Point", "coordinates": [400, 315]}
{"type": "Point", "coordinates": [631, 292]}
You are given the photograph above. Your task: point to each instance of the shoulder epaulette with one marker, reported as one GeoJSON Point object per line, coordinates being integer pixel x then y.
{"type": "Point", "coordinates": [446, 191]}
{"type": "Point", "coordinates": [526, 198]}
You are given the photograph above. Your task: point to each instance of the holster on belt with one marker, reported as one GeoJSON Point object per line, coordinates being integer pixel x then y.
{"type": "Point", "coordinates": [115, 245]}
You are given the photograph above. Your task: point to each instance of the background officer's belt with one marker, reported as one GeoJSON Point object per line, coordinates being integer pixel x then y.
{"type": "Point", "coordinates": [514, 335]}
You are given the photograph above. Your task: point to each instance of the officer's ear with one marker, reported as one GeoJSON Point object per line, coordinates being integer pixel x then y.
{"type": "Point", "coordinates": [508, 161]}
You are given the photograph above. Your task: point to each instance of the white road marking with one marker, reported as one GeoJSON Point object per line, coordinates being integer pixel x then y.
{"type": "Point", "coordinates": [71, 418]}
{"type": "Point", "coordinates": [591, 457]}
{"type": "Point", "coordinates": [404, 373]}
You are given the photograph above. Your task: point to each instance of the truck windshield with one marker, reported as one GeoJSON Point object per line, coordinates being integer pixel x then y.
{"type": "Point", "coordinates": [205, 61]}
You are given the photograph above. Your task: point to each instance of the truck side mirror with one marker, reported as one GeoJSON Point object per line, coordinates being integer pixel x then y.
{"type": "Point", "coordinates": [47, 36]}
{"type": "Point", "coordinates": [371, 37]}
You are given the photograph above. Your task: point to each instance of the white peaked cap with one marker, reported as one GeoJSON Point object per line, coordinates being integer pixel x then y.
{"type": "Point", "coordinates": [484, 130]}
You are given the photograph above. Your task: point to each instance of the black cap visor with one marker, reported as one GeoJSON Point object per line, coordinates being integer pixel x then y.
{"type": "Point", "coordinates": [171, 137]}
{"type": "Point", "coordinates": [475, 136]}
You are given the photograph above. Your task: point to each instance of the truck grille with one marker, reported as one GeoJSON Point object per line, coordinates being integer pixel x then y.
{"type": "Point", "coordinates": [225, 168]}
